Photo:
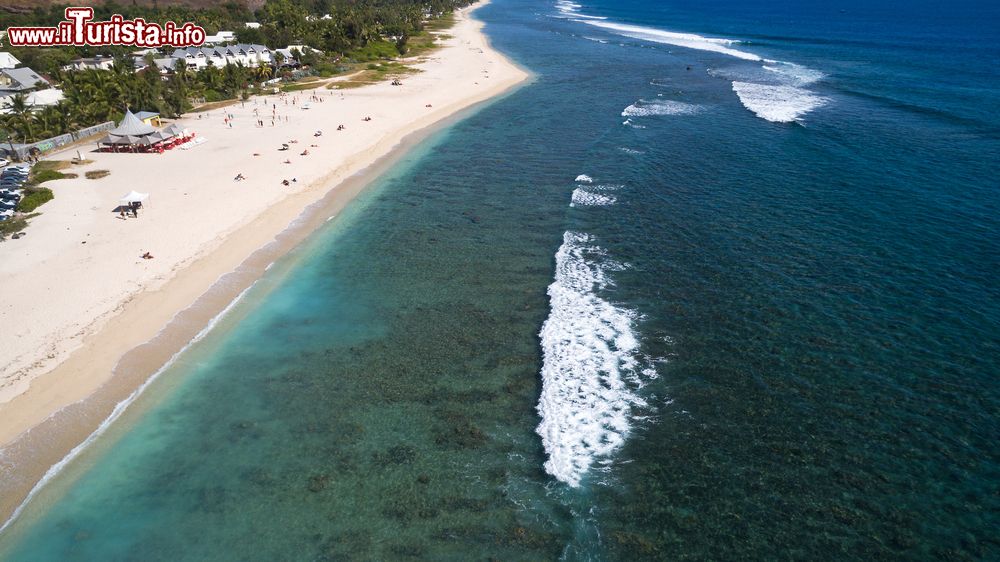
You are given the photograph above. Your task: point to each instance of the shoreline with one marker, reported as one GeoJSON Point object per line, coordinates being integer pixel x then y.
{"type": "Point", "coordinates": [47, 423]}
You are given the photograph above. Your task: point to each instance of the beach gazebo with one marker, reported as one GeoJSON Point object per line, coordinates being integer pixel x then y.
{"type": "Point", "coordinates": [133, 135]}
{"type": "Point", "coordinates": [131, 125]}
{"type": "Point", "coordinates": [129, 132]}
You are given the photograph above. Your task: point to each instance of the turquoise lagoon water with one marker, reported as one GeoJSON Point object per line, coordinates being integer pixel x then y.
{"type": "Point", "coordinates": [720, 282]}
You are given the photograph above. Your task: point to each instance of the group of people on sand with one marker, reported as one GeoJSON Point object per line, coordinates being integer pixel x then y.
{"type": "Point", "coordinates": [131, 209]}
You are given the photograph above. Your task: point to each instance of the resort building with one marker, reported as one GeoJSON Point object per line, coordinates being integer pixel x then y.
{"type": "Point", "coordinates": [198, 58]}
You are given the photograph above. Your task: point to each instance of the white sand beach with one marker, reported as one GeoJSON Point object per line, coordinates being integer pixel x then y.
{"type": "Point", "coordinates": [77, 295]}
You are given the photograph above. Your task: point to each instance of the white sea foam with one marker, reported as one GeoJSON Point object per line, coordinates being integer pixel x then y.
{"type": "Point", "coordinates": [584, 198]}
{"type": "Point", "coordinates": [584, 178]}
{"type": "Point", "coordinates": [779, 104]}
{"type": "Point", "coordinates": [644, 108]}
{"type": "Point", "coordinates": [631, 151]}
{"type": "Point", "coordinates": [794, 74]}
{"type": "Point", "coordinates": [783, 101]}
{"type": "Point", "coordinates": [690, 40]}
{"type": "Point", "coordinates": [591, 363]}
{"type": "Point", "coordinates": [687, 40]}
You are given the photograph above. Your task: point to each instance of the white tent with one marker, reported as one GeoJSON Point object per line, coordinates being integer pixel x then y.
{"type": "Point", "coordinates": [134, 197]}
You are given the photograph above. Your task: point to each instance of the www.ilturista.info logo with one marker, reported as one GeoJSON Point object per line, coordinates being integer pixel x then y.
{"type": "Point", "coordinates": [78, 30]}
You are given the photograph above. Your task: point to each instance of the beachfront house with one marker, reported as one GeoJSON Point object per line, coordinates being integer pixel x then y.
{"type": "Point", "coordinates": [8, 60]}
{"type": "Point", "coordinates": [292, 53]}
{"type": "Point", "coordinates": [90, 63]}
{"type": "Point", "coordinates": [20, 80]}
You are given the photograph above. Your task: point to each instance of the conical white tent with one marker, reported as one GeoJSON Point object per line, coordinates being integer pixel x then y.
{"type": "Point", "coordinates": [131, 125]}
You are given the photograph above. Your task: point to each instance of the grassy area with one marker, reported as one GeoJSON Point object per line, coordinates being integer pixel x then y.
{"type": "Point", "coordinates": [96, 174]}
{"type": "Point", "coordinates": [376, 50]}
{"type": "Point", "coordinates": [447, 21]}
{"type": "Point", "coordinates": [213, 105]}
{"type": "Point", "coordinates": [374, 72]}
{"type": "Point", "coordinates": [298, 86]}
{"type": "Point", "coordinates": [13, 226]}
{"type": "Point", "coordinates": [49, 168]}
{"type": "Point", "coordinates": [52, 165]}
{"type": "Point", "coordinates": [34, 197]}
{"type": "Point", "coordinates": [46, 175]}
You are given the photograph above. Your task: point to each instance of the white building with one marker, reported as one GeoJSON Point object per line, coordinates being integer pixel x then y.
{"type": "Point", "coordinates": [8, 60]}
{"type": "Point", "coordinates": [90, 63]}
{"type": "Point", "coordinates": [198, 58]}
{"type": "Point", "coordinates": [220, 37]}
{"type": "Point", "coordinates": [289, 52]}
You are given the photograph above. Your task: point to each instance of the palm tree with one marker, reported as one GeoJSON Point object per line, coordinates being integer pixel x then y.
{"type": "Point", "coordinates": [264, 72]}
{"type": "Point", "coordinates": [21, 117]}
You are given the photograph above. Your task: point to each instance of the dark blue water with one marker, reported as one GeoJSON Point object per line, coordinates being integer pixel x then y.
{"type": "Point", "coordinates": [768, 327]}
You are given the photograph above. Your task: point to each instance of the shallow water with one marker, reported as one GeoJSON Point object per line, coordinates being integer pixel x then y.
{"type": "Point", "coordinates": [784, 314]}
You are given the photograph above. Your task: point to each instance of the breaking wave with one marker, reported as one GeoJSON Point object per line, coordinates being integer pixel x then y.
{"type": "Point", "coordinates": [779, 97]}
{"type": "Point", "coordinates": [591, 367]}
{"type": "Point", "coordinates": [794, 74]}
{"type": "Point", "coordinates": [584, 198]}
{"type": "Point", "coordinates": [584, 178]}
{"type": "Point", "coordinates": [778, 104]}
{"type": "Point", "coordinates": [643, 108]}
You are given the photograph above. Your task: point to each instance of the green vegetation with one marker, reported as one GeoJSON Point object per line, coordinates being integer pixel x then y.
{"type": "Point", "coordinates": [375, 50]}
{"type": "Point", "coordinates": [34, 197]}
{"type": "Point", "coordinates": [46, 175]}
{"type": "Point", "coordinates": [304, 85]}
{"type": "Point", "coordinates": [348, 33]}
{"type": "Point", "coordinates": [14, 225]}
{"type": "Point", "coordinates": [374, 72]}
{"type": "Point", "coordinates": [96, 174]}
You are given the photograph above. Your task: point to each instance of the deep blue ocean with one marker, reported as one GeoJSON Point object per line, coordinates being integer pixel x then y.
{"type": "Point", "coordinates": [720, 282]}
